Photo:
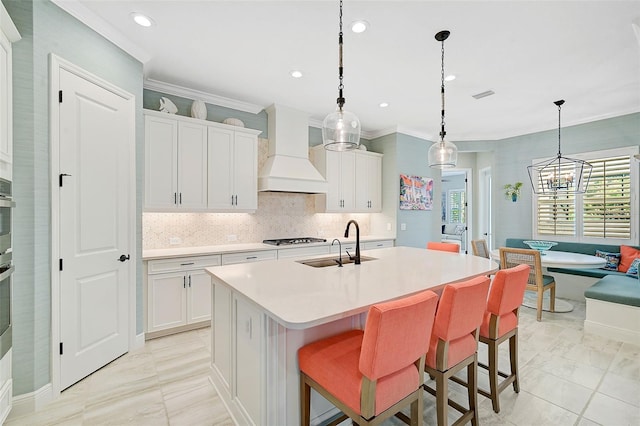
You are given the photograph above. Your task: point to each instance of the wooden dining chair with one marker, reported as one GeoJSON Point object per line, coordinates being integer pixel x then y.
{"type": "Point", "coordinates": [435, 245]}
{"type": "Point", "coordinates": [510, 257]}
{"type": "Point", "coordinates": [479, 248]}
{"type": "Point", "coordinates": [371, 375]}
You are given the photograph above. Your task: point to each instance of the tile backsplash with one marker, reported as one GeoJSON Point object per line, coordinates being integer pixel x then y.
{"type": "Point", "coordinates": [279, 215]}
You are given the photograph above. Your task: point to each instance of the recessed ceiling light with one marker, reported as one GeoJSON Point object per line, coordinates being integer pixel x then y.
{"type": "Point", "coordinates": [450, 77]}
{"type": "Point", "coordinates": [296, 73]}
{"type": "Point", "coordinates": [359, 26]}
{"type": "Point", "coordinates": [142, 20]}
{"type": "Point", "coordinates": [383, 104]}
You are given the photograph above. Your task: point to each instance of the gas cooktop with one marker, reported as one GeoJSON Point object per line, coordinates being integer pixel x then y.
{"type": "Point", "coordinates": [289, 241]}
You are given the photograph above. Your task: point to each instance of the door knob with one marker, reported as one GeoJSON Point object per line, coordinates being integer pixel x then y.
{"type": "Point", "coordinates": [124, 258]}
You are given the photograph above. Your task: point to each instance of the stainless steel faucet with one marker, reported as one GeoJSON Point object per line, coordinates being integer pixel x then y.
{"type": "Point", "coordinates": [355, 259]}
{"type": "Point", "coordinates": [339, 259]}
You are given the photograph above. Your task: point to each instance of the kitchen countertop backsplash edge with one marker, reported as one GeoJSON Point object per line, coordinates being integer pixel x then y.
{"type": "Point", "coordinates": [167, 253]}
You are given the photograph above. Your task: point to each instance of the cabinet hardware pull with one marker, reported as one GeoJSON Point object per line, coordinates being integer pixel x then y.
{"type": "Point", "coordinates": [187, 264]}
{"type": "Point", "coordinates": [175, 198]}
{"type": "Point", "coordinates": [184, 282]}
{"type": "Point", "coordinates": [252, 257]}
{"type": "Point", "coordinates": [189, 280]}
{"type": "Point", "coordinates": [181, 198]}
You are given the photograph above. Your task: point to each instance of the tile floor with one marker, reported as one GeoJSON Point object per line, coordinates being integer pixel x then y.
{"type": "Point", "coordinates": [567, 378]}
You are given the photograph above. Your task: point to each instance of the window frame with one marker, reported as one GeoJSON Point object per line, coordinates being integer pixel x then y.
{"type": "Point", "coordinates": [579, 206]}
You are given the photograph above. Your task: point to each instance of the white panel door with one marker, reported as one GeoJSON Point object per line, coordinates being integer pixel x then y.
{"type": "Point", "coordinates": [198, 296]}
{"type": "Point", "coordinates": [245, 182]}
{"type": "Point", "coordinates": [94, 225]}
{"type": "Point", "coordinates": [220, 145]}
{"type": "Point", "coordinates": [192, 166]}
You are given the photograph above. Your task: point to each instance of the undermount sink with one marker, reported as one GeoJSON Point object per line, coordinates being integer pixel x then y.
{"type": "Point", "coordinates": [331, 261]}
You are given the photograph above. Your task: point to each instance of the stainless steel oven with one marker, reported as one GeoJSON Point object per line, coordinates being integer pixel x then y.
{"type": "Point", "coordinates": [6, 265]}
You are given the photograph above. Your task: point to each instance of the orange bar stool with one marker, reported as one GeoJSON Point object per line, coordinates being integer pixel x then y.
{"type": "Point", "coordinates": [454, 344]}
{"type": "Point", "coordinates": [371, 375]}
{"type": "Point", "coordinates": [433, 245]}
{"type": "Point", "coordinates": [500, 323]}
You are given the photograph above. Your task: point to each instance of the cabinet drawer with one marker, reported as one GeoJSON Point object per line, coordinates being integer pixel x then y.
{"type": "Point", "coordinates": [302, 252]}
{"type": "Point", "coordinates": [249, 256]}
{"type": "Point", "coordinates": [377, 244]}
{"type": "Point", "coordinates": [348, 247]}
{"type": "Point", "coordinates": [183, 263]}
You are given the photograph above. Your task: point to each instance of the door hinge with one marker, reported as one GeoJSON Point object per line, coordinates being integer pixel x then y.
{"type": "Point", "coordinates": [59, 96]}
{"type": "Point", "coordinates": [60, 264]}
{"type": "Point", "coordinates": [61, 348]}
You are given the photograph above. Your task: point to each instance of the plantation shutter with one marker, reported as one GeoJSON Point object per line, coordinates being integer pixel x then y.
{"type": "Point", "coordinates": [607, 202]}
{"type": "Point", "coordinates": [557, 214]}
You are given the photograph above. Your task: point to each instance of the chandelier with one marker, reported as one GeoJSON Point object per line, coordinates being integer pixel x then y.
{"type": "Point", "coordinates": [560, 174]}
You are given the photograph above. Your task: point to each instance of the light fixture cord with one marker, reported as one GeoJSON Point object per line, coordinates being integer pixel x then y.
{"type": "Point", "coordinates": [442, 132]}
{"type": "Point", "coordinates": [559, 107]}
{"type": "Point", "coordinates": [340, 99]}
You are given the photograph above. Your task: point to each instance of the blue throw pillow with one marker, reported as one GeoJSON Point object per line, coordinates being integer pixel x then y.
{"type": "Point", "coordinates": [633, 269]}
{"type": "Point", "coordinates": [613, 259]}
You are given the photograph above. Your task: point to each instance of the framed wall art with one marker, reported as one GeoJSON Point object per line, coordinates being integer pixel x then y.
{"type": "Point", "coordinates": [416, 193]}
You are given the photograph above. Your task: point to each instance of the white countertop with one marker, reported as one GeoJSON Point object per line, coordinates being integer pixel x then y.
{"type": "Point", "coordinates": [235, 248]}
{"type": "Point", "coordinates": [563, 259]}
{"type": "Point", "coordinates": [300, 296]}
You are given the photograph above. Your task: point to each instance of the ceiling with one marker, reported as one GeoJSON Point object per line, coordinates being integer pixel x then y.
{"type": "Point", "coordinates": [530, 53]}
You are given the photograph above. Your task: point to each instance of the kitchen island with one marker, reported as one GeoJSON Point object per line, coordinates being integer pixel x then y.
{"type": "Point", "coordinates": [263, 312]}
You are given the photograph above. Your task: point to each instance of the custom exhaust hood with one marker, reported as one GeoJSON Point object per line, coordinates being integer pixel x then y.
{"type": "Point", "coordinates": [288, 168]}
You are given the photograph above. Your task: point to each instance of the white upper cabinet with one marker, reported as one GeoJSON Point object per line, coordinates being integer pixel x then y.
{"type": "Point", "coordinates": [176, 165]}
{"type": "Point", "coordinates": [198, 165]}
{"type": "Point", "coordinates": [369, 182]}
{"type": "Point", "coordinates": [8, 34]}
{"type": "Point", "coordinates": [354, 179]}
{"type": "Point", "coordinates": [233, 170]}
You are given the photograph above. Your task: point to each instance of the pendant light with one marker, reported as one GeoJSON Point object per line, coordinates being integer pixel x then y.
{"type": "Point", "coordinates": [443, 154]}
{"type": "Point", "coordinates": [560, 174]}
{"type": "Point", "coordinates": [340, 129]}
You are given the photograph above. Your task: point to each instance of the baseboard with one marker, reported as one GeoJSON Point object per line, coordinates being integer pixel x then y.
{"type": "Point", "coordinates": [138, 341]}
{"type": "Point", "coordinates": [30, 402]}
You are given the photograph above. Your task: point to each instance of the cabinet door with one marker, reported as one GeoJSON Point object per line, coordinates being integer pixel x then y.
{"type": "Point", "coordinates": [245, 179]}
{"type": "Point", "coordinates": [161, 160]}
{"type": "Point", "coordinates": [192, 166]}
{"type": "Point", "coordinates": [5, 101]}
{"type": "Point", "coordinates": [348, 180]}
{"type": "Point", "coordinates": [220, 143]}
{"type": "Point", "coordinates": [198, 296]}
{"type": "Point", "coordinates": [333, 176]}
{"type": "Point", "coordinates": [222, 321]}
{"type": "Point", "coordinates": [248, 359]}
{"type": "Point", "coordinates": [369, 178]}
{"type": "Point", "coordinates": [166, 301]}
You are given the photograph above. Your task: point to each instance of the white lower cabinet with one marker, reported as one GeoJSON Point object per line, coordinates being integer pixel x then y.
{"type": "Point", "coordinates": [178, 292]}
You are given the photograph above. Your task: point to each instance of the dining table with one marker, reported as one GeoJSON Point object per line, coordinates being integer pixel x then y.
{"type": "Point", "coordinates": [557, 259]}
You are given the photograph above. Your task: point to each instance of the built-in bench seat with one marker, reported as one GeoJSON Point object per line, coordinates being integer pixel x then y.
{"type": "Point", "coordinates": [612, 297]}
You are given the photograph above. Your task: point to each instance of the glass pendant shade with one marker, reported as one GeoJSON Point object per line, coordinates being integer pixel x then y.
{"type": "Point", "coordinates": [341, 131]}
{"type": "Point", "coordinates": [443, 155]}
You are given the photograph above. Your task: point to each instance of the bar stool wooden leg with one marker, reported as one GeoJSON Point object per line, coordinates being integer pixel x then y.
{"type": "Point", "coordinates": [493, 375]}
{"type": "Point", "coordinates": [305, 402]}
{"type": "Point", "coordinates": [513, 358]}
{"type": "Point", "coordinates": [472, 389]}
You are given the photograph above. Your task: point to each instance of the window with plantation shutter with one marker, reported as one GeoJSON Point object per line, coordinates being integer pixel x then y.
{"type": "Point", "coordinates": [456, 206]}
{"type": "Point", "coordinates": [604, 212]}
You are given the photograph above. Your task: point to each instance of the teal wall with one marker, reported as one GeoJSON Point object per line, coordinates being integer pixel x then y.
{"type": "Point", "coordinates": [511, 157]}
{"type": "Point", "coordinates": [46, 29]}
{"type": "Point", "coordinates": [422, 225]}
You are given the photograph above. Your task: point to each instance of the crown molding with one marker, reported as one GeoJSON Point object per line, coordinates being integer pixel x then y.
{"type": "Point", "coordinates": [400, 129]}
{"type": "Point", "coordinates": [102, 27]}
{"type": "Point", "coordinates": [173, 89]}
